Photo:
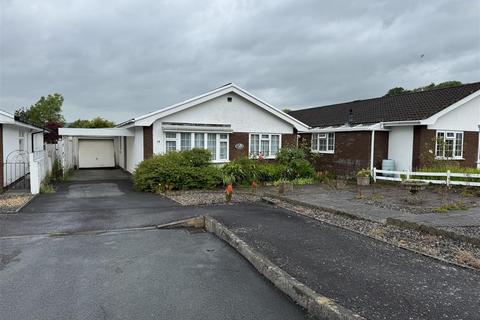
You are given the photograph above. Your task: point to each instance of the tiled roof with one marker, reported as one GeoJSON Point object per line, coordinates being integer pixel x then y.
{"type": "Point", "coordinates": [403, 107]}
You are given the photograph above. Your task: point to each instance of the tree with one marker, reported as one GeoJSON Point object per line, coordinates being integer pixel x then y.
{"type": "Point", "coordinates": [46, 110]}
{"type": "Point", "coordinates": [431, 86]}
{"type": "Point", "coordinates": [286, 110]}
{"type": "Point", "coordinates": [395, 91]}
{"type": "Point", "coordinates": [97, 122]}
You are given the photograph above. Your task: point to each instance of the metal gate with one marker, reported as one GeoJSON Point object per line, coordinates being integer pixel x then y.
{"type": "Point", "coordinates": [16, 170]}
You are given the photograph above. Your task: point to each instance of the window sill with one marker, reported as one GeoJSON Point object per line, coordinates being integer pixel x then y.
{"type": "Point", "coordinates": [443, 158]}
{"type": "Point", "coordinates": [324, 152]}
{"type": "Point", "coordinates": [219, 161]}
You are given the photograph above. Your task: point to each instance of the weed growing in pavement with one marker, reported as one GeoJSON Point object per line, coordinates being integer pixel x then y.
{"type": "Point", "coordinates": [459, 205]}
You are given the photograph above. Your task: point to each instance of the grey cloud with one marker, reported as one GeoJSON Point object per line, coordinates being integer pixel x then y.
{"type": "Point", "coordinates": [124, 58]}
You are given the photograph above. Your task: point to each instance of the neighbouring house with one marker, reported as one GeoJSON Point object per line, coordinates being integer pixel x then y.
{"type": "Point", "coordinates": [228, 121]}
{"type": "Point", "coordinates": [18, 139]}
{"type": "Point", "coordinates": [413, 129]}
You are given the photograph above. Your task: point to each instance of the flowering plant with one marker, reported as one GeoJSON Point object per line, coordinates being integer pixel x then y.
{"type": "Point", "coordinates": [229, 192]}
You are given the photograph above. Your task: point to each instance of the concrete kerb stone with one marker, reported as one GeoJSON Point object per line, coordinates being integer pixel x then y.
{"type": "Point", "coordinates": [432, 230]}
{"type": "Point", "coordinates": [312, 206]}
{"type": "Point", "coordinates": [316, 304]}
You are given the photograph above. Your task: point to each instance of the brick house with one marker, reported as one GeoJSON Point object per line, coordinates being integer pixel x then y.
{"type": "Point", "coordinates": [228, 121]}
{"type": "Point", "coordinates": [414, 129]}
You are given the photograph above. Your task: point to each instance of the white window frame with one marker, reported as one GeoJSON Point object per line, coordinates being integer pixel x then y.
{"type": "Point", "coordinates": [252, 154]}
{"type": "Point", "coordinates": [454, 139]}
{"type": "Point", "coordinates": [217, 158]}
{"type": "Point", "coordinates": [315, 147]}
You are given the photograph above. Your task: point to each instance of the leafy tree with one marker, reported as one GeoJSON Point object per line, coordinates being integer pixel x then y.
{"type": "Point", "coordinates": [46, 110]}
{"type": "Point", "coordinates": [395, 91]}
{"type": "Point", "coordinates": [431, 86]}
{"type": "Point", "coordinates": [286, 110]}
{"type": "Point", "coordinates": [97, 122]}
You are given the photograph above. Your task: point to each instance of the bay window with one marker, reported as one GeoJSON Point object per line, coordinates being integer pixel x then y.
{"type": "Point", "coordinates": [266, 145]}
{"type": "Point", "coordinates": [323, 142]}
{"type": "Point", "coordinates": [449, 145]}
{"type": "Point", "coordinates": [216, 143]}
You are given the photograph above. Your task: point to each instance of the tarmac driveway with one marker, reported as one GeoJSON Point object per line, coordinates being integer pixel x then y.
{"type": "Point", "coordinates": [92, 200]}
{"type": "Point", "coordinates": [123, 274]}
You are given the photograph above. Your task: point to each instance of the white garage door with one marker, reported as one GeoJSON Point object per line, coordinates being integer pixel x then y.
{"type": "Point", "coordinates": [95, 154]}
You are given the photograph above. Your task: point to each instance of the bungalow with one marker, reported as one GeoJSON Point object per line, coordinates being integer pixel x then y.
{"type": "Point", "coordinates": [17, 140]}
{"type": "Point", "coordinates": [228, 121]}
{"type": "Point", "coordinates": [414, 130]}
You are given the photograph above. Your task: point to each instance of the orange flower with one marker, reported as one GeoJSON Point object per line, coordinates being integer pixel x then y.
{"type": "Point", "coordinates": [229, 189]}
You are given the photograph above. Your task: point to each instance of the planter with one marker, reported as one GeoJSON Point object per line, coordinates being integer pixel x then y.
{"type": "Point", "coordinates": [285, 187]}
{"type": "Point", "coordinates": [363, 181]}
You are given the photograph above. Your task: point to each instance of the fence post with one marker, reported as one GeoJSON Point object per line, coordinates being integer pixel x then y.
{"type": "Point", "coordinates": [34, 175]}
{"type": "Point", "coordinates": [374, 174]}
{"type": "Point", "coordinates": [448, 178]}
{"type": "Point", "coordinates": [408, 174]}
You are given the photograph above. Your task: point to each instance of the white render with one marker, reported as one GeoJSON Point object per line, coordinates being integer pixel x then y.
{"type": "Point", "coordinates": [11, 149]}
{"type": "Point", "coordinates": [465, 117]}
{"type": "Point", "coordinates": [400, 147]}
{"type": "Point", "coordinates": [134, 149]}
{"type": "Point", "coordinates": [239, 115]}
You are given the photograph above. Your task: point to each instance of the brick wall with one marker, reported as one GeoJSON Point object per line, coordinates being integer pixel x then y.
{"type": "Point", "coordinates": [424, 141]}
{"type": "Point", "coordinates": [148, 142]}
{"type": "Point", "coordinates": [289, 140]}
{"type": "Point", "coordinates": [235, 138]}
{"type": "Point", "coordinates": [352, 152]}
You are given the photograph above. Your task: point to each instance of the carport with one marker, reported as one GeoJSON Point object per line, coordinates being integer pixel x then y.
{"type": "Point", "coordinates": [94, 148]}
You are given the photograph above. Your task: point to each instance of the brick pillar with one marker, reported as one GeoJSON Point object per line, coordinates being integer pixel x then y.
{"type": "Point", "coordinates": [148, 142]}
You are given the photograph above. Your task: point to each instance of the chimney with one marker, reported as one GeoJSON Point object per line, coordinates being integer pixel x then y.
{"type": "Point", "coordinates": [350, 117]}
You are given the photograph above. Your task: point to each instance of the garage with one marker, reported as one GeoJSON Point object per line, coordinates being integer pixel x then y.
{"type": "Point", "coordinates": [96, 153]}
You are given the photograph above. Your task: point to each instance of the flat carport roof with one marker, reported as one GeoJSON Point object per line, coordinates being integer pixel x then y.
{"type": "Point", "coordinates": [100, 132]}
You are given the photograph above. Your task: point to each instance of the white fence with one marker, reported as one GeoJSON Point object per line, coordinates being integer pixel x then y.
{"type": "Point", "coordinates": [65, 154]}
{"type": "Point", "coordinates": [40, 166]}
{"type": "Point", "coordinates": [447, 177]}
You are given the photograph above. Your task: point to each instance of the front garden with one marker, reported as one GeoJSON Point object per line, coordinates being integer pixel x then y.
{"type": "Point", "coordinates": [192, 169]}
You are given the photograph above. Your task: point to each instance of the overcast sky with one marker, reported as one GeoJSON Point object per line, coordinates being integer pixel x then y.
{"type": "Point", "coordinates": [120, 59]}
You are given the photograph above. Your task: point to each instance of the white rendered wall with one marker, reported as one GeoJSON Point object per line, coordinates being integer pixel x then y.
{"type": "Point", "coordinates": [135, 149]}
{"type": "Point", "coordinates": [400, 147]}
{"type": "Point", "coordinates": [10, 148]}
{"type": "Point", "coordinates": [242, 115]}
{"type": "Point", "coordinates": [463, 118]}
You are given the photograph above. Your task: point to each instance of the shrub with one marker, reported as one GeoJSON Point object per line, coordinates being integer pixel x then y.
{"type": "Point", "coordinates": [290, 154]}
{"type": "Point", "coordinates": [177, 171]}
{"type": "Point", "coordinates": [296, 166]}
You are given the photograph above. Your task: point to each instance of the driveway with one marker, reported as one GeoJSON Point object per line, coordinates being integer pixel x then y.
{"type": "Point", "coordinates": [375, 279]}
{"type": "Point", "coordinates": [123, 274]}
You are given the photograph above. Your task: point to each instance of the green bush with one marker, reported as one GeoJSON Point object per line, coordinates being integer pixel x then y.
{"type": "Point", "coordinates": [290, 154]}
{"type": "Point", "coordinates": [177, 171]}
{"type": "Point", "coordinates": [291, 164]}
{"type": "Point", "coordinates": [295, 163]}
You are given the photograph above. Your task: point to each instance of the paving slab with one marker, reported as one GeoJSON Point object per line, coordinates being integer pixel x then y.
{"type": "Point", "coordinates": [343, 201]}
